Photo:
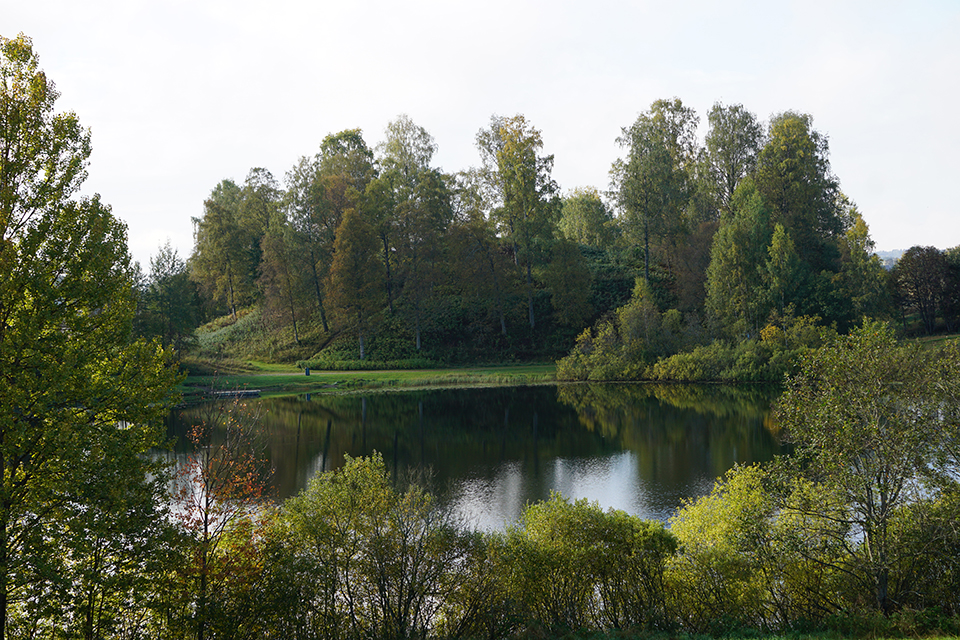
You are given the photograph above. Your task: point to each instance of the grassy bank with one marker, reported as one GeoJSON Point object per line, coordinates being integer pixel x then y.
{"type": "Point", "coordinates": [272, 379]}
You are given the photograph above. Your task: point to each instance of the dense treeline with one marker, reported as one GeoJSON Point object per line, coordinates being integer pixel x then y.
{"type": "Point", "coordinates": [696, 250]}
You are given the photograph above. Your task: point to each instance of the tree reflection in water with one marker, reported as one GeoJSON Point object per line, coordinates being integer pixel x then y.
{"type": "Point", "coordinates": [489, 451]}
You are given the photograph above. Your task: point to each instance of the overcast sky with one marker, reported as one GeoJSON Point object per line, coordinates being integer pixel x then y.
{"type": "Point", "coordinates": [181, 94]}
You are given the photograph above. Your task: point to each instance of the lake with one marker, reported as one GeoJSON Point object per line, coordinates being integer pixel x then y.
{"type": "Point", "coordinates": [490, 451]}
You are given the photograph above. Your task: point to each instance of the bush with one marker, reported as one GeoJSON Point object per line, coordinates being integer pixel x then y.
{"type": "Point", "coordinates": [573, 566]}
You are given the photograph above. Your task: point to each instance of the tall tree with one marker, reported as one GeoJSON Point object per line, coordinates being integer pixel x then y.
{"type": "Point", "coordinates": [318, 190]}
{"type": "Point", "coordinates": [523, 190]}
{"type": "Point", "coordinates": [732, 145]}
{"type": "Point", "coordinates": [73, 384]}
{"type": "Point", "coordinates": [355, 275]}
{"type": "Point", "coordinates": [737, 257]}
{"type": "Point", "coordinates": [480, 273]}
{"type": "Point", "coordinates": [862, 281]}
{"type": "Point", "coordinates": [793, 176]}
{"type": "Point", "coordinates": [651, 184]}
{"type": "Point", "coordinates": [781, 272]}
{"type": "Point", "coordinates": [221, 263]}
{"type": "Point", "coordinates": [875, 423]}
{"type": "Point", "coordinates": [281, 271]}
{"type": "Point", "coordinates": [404, 209]}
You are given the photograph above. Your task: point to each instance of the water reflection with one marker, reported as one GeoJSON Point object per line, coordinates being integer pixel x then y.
{"type": "Point", "coordinates": [640, 448]}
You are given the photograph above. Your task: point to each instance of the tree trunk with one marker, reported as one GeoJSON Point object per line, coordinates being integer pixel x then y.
{"type": "Point", "coordinates": [316, 288]}
{"type": "Point", "coordinates": [646, 252]}
{"type": "Point", "coordinates": [386, 260]}
{"type": "Point", "coordinates": [530, 294]}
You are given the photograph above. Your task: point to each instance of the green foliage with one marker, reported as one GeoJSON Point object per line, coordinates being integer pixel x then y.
{"type": "Point", "coordinates": [569, 282]}
{"type": "Point", "coordinates": [732, 146]}
{"type": "Point", "coordinates": [381, 560]}
{"type": "Point", "coordinates": [651, 183]}
{"type": "Point", "coordinates": [622, 347]}
{"type": "Point", "coordinates": [75, 388]}
{"type": "Point", "coordinates": [770, 359]}
{"type": "Point", "coordinates": [586, 219]}
{"type": "Point", "coordinates": [793, 176]}
{"type": "Point", "coordinates": [169, 306]}
{"type": "Point", "coordinates": [724, 539]}
{"type": "Point", "coordinates": [875, 421]}
{"type": "Point", "coordinates": [573, 566]}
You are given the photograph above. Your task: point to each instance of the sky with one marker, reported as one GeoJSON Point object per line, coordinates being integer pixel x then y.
{"type": "Point", "coordinates": [181, 94]}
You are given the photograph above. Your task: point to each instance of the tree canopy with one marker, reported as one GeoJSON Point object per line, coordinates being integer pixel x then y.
{"type": "Point", "coordinates": [76, 390]}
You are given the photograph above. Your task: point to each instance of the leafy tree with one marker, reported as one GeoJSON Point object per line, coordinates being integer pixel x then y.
{"type": "Point", "coordinates": [793, 176]}
{"type": "Point", "coordinates": [220, 263]}
{"type": "Point", "coordinates": [862, 281]}
{"type": "Point", "coordinates": [732, 145]}
{"type": "Point", "coordinates": [221, 485]}
{"type": "Point", "coordinates": [281, 272]}
{"type": "Point", "coordinates": [781, 272]}
{"type": "Point", "coordinates": [724, 539]}
{"type": "Point", "coordinates": [420, 214]}
{"type": "Point", "coordinates": [74, 386]}
{"type": "Point", "coordinates": [169, 302]}
{"type": "Point", "coordinates": [523, 189]}
{"type": "Point", "coordinates": [874, 423]}
{"type": "Point", "coordinates": [318, 190]}
{"type": "Point", "coordinates": [382, 560]}
{"type": "Point", "coordinates": [920, 278]}
{"type": "Point", "coordinates": [586, 219]}
{"type": "Point", "coordinates": [355, 275]}
{"type": "Point", "coordinates": [569, 282]}
{"type": "Point", "coordinates": [574, 566]}
{"type": "Point", "coordinates": [950, 306]}
{"type": "Point", "coordinates": [737, 257]}
{"type": "Point", "coordinates": [115, 546]}
{"type": "Point", "coordinates": [652, 182]}
{"type": "Point", "coordinates": [481, 271]}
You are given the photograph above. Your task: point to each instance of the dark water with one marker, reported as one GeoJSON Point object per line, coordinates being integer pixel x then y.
{"type": "Point", "coordinates": [640, 448]}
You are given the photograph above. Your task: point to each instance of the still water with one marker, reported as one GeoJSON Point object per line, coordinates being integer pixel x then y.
{"type": "Point", "coordinates": [490, 451]}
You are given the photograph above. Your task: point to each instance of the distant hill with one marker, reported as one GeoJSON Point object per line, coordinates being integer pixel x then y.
{"type": "Point", "coordinates": [889, 258]}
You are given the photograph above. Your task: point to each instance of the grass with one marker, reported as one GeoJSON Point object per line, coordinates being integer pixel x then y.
{"type": "Point", "coordinates": [276, 379]}
{"type": "Point", "coordinates": [939, 339]}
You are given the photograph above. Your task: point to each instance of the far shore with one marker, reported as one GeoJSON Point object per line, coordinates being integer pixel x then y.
{"type": "Point", "coordinates": [272, 380]}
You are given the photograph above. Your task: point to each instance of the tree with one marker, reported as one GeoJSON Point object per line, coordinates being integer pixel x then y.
{"type": "Point", "coordinates": [569, 281]}
{"type": "Point", "coordinates": [732, 146]}
{"type": "Point", "coordinates": [651, 183]}
{"type": "Point", "coordinates": [73, 383]}
{"type": "Point", "coordinates": [318, 190]}
{"type": "Point", "coordinates": [480, 274]}
{"type": "Point", "coordinates": [575, 566]}
{"type": "Point", "coordinates": [781, 272]}
{"type": "Point", "coordinates": [384, 561]}
{"type": "Point", "coordinates": [169, 301]}
{"type": "Point", "coordinates": [875, 426]}
{"type": "Point", "coordinates": [920, 277]}
{"type": "Point", "coordinates": [737, 257]}
{"type": "Point", "coordinates": [355, 276]}
{"type": "Point", "coordinates": [221, 485]}
{"type": "Point", "coordinates": [861, 284]}
{"type": "Point", "coordinates": [523, 189]}
{"type": "Point", "coordinates": [586, 219]}
{"type": "Point", "coordinates": [415, 210]}
{"type": "Point", "coordinates": [220, 263]}
{"type": "Point", "coordinates": [793, 176]}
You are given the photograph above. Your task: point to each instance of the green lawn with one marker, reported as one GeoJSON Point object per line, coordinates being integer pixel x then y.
{"type": "Point", "coordinates": [273, 379]}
